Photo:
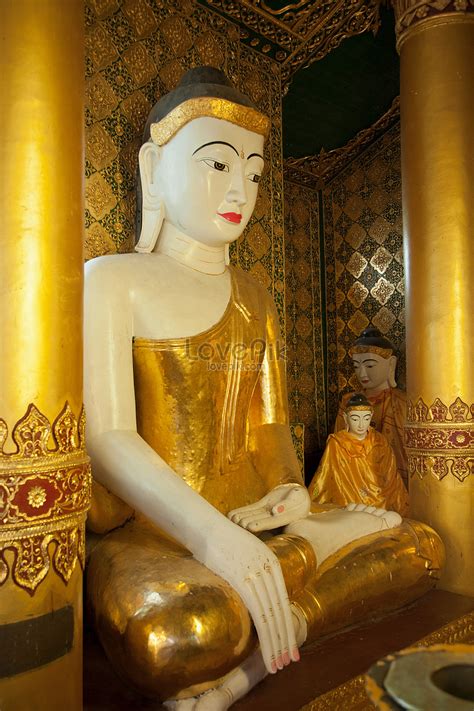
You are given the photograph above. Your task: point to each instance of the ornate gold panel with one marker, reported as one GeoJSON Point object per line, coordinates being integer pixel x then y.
{"type": "Point", "coordinates": [385, 319]}
{"type": "Point", "coordinates": [382, 291]}
{"type": "Point", "coordinates": [357, 294]}
{"type": "Point", "coordinates": [356, 264]}
{"type": "Point", "coordinates": [381, 260]}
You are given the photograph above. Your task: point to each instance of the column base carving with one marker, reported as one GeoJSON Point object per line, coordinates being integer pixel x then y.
{"type": "Point", "coordinates": [44, 497]}
{"type": "Point", "coordinates": [439, 439]}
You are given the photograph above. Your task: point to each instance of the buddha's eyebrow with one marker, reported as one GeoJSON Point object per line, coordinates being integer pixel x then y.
{"type": "Point", "coordinates": [212, 143]}
{"type": "Point", "coordinates": [254, 154]}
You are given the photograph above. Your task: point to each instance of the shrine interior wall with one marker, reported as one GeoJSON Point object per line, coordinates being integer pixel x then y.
{"type": "Point", "coordinates": [344, 271]}
{"type": "Point", "coordinates": [305, 318]}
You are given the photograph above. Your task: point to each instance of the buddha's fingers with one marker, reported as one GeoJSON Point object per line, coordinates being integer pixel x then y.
{"type": "Point", "coordinates": [283, 618]}
{"type": "Point", "coordinates": [261, 588]}
{"type": "Point", "coordinates": [258, 607]}
{"type": "Point", "coordinates": [282, 593]}
{"type": "Point", "coordinates": [271, 587]}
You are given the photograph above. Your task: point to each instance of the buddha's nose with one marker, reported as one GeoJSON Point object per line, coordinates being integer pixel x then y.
{"type": "Point", "coordinates": [237, 192]}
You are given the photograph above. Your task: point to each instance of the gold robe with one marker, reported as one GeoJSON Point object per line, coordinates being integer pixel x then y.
{"type": "Point", "coordinates": [359, 471]}
{"type": "Point", "coordinates": [214, 407]}
{"type": "Point", "coordinates": [388, 419]}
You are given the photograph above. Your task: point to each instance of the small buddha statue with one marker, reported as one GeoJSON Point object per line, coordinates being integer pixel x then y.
{"type": "Point", "coordinates": [358, 464]}
{"type": "Point", "coordinates": [375, 363]}
{"type": "Point", "coordinates": [188, 434]}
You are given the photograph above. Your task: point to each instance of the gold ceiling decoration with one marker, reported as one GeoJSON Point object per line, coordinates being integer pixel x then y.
{"type": "Point", "coordinates": [316, 171]}
{"type": "Point", "coordinates": [301, 32]}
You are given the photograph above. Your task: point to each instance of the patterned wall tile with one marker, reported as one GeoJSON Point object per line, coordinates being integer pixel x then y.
{"type": "Point", "coordinates": [305, 366]}
{"type": "Point", "coordinates": [363, 248]}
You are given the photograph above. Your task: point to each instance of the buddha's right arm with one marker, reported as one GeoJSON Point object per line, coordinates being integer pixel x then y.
{"type": "Point", "coordinates": [124, 463]}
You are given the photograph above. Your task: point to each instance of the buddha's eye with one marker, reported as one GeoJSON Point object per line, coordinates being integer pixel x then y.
{"type": "Point", "coordinates": [254, 177]}
{"type": "Point", "coordinates": [221, 167]}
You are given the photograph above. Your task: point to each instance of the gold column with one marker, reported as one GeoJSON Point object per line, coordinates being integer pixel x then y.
{"type": "Point", "coordinates": [437, 112]}
{"type": "Point", "coordinates": [44, 471]}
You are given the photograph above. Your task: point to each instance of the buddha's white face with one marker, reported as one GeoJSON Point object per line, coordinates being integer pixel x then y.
{"type": "Point", "coordinates": [358, 422]}
{"type": "Point", "coordinates": [373, 371]}
{"type": "Point", "coordinates": [208, 176]}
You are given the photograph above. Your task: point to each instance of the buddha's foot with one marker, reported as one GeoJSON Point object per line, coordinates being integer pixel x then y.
{"type": "Point", "coordinates": [390, 519]}
{"type": "Point", "coordinates": [329, 531]}
{"type": "Point", "coordinates": [235, 685]}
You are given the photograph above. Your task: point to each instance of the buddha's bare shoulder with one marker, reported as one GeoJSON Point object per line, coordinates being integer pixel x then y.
{"type": "Point", "coordinates": [117, 271]}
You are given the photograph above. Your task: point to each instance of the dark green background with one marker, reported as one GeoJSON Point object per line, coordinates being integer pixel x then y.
{"type": "Point", "coordinates": [332, 100]}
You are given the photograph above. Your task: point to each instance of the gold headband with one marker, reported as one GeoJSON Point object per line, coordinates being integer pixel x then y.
{"type": "Point", "coordinates": [182, 114]}
{"type": "Point", "coordinates": [378, 350]}
{"type": "Point", "coordinates": [349, 408]}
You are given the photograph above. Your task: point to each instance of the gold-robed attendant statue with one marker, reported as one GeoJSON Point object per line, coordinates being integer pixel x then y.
{"type": "Point", "coordinates": [375, 363]}
{"type": "Point", "coordinates": [358, 465]}
{"type": "Point", "coordinates": [188, 434]}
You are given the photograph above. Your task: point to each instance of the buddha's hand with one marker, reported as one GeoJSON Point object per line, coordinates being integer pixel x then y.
{"type": "Point", "coordinates": [254, 572]}
{"type": "Point", "coordinates": [282, 505]}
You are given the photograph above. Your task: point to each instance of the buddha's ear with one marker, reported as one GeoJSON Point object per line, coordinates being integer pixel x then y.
{"type": "Point", "coordinates": [346, 420]}
{"type": "Point", "coordinates": [153, 212]}
{"type": "Point", "coordinates": [392, 364]}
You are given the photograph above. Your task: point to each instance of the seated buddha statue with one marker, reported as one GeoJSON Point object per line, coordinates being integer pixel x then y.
{"type": "Point", "coordinates": [211, 570]}
{"type": "Point", "coordinates": [358, 464]}
{"type": "Point", "coordinates": [375, 363]}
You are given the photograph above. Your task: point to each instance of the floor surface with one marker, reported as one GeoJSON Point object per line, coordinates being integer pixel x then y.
{"type": "Point", "coordinates": [324, 664]}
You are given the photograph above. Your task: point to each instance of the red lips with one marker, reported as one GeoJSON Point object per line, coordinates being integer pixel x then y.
{"type": "Point", "coordinates": [231, 216]}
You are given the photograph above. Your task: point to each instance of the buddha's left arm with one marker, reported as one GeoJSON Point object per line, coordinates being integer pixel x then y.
{"type": "Point", "coordinates": [270, 442]}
